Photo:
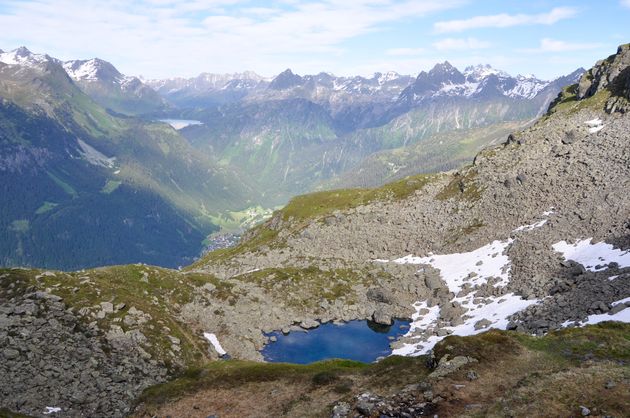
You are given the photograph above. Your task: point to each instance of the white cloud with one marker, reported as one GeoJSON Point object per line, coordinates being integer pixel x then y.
{"type": "Point", "coordinates": [159, 38]}
{"type": "Point", "coordinates": [505, 20]}
{"type": "Point", "coordinates": [625, 3]}
{"type": "Point", "coordinates": [404, 51]}
{"type": "Point", "coordinates": [553, 45]}
{"type": "Point", "coordinates": [457, 44]}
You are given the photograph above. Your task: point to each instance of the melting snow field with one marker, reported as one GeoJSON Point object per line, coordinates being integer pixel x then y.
{"type": "Point", "coordinates": [496, 310]}
{"type": "Point", "coordinates": [491, 264]}
{"type": "Point", "coordinates": [594, 257]}
{"type": "Point", "coordinates": [457, 270]}
{"type": "Point", "coordinates": [215, 343]}
{"type": "Point", "coordinates": [475, 268]}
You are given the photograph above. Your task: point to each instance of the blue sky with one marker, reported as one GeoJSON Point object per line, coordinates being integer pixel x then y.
{"type": "Point", "coordinates": [167, 38]}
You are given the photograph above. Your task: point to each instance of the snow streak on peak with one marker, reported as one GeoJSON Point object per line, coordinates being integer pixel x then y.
{"type": "Point", "coordinates": [386, 77]}
{"type": "Point", "coordinates": [78, 70]}
{"type": "Point", "coordinates": [476, 78]}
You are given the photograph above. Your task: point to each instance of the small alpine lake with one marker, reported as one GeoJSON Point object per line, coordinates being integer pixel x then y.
{"type": "Point", "coordinates": [363, 341]}
{"type": "Point", "coordinates": [180, 123]}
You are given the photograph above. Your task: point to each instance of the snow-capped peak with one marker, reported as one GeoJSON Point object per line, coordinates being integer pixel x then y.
{"type": "Point", "coordinates": [96, 69]}
{"type": "Point", "coordinates": [386, 77]}
{"type": "Point", "coordinates": [481, 71]}
{"type": "Point", "coordinates": [526, 86]}
{"type": "Point", "coordinates": [22, 56]}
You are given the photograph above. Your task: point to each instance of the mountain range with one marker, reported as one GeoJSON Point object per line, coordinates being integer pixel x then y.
{"type": "Point", "coordinates": [85, 141]}
{"type": "Point", "coordinates": [294, 133]}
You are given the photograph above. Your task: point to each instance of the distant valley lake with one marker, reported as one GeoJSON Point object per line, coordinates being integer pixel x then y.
{"type": "Point", "coordinates": [355, 340]}
{"type": "Point", "coordinates": [181, 123]}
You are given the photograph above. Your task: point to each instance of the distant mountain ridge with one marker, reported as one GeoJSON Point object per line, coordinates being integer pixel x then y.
{"type": "Point", "coordinates": [107, 86]}
{"type": "Point", "coordinates": [442, 80]}
{"type": "Point", "coordinates": [99, 79]}
{"type": "Point", "coordinates": [344, 120]}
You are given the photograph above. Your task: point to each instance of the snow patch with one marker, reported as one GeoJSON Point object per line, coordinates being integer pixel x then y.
{"type": "Point", "coordinates": [51, 410]}
{"type": "Point", "coordinates": [622, 316]}
{"type": "Point", "coordinates": [535, 225]}
{"type": "Point", "coordinates": [496, 310]}
{"type": "Point", "coordinates": [593, 122]}
{"type": "Point", "coordinates": [531, 226]}
{"type": "Point", "coordinates": [458, 268]}
{"type": "Point", "coordinates": [463, 273]}
{"type": "Point", "coordinates": [595, 125]}
{"type": "Point", "coordinates": [594, 257]}
{"type": "Point", "coordinates": [466, 89]}
{"type": "Point", "coordinates": [527, 87]}
{"type": "Point", "coordinates": [85, 71]}
{"type": "Point", "coordinates": [215, 343]}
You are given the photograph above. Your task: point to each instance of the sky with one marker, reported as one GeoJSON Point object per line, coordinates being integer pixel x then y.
{"type": "Point", "coordinates": [182, 38]}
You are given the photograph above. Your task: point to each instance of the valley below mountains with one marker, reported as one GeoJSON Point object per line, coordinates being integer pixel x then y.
{"type": "Point", "coordinates": [496, 220]}
{"type": "Point", "coordinates": [96, 179]}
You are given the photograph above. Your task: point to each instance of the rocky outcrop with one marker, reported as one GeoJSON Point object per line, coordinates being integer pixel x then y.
{"type": "Point", "coordinates": [612, 74]}
{"type": "Point", "coordinates": [49, 358]}
{"type": "Point", "coordinates": [605, 74]}
{"type": "Point", "coordinates": [447, 366]}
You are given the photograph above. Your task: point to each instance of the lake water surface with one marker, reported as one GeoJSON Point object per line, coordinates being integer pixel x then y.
{"type": "Point", "coordinates": [354, 340]}
{"type": "Point", "coordinates": [181, 123]}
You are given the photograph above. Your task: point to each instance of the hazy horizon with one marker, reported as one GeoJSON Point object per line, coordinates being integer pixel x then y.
{"type": "Point", "coordinates": [177, 38]}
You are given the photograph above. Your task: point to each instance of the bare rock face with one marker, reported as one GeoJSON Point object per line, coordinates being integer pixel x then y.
{"type": "Point", "coordinates": [604, 73]}
{"type": "Point", "coordinates": [382, 316]}
{"type": "Point", "coordinates": [612, 74]}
